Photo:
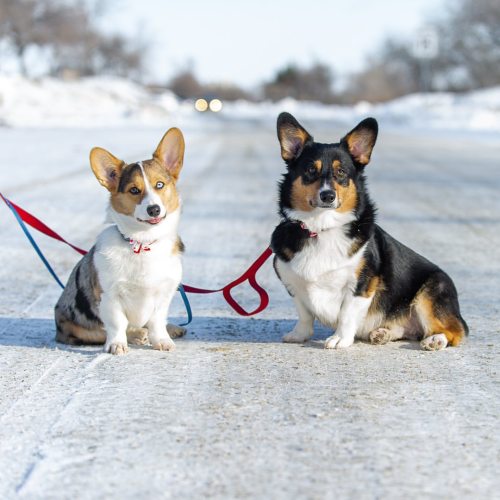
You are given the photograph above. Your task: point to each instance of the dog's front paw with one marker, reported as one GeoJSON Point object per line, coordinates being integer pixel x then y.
{"type": "Point", "coordinates": [337, 342]}
{"type": "Point", "coordinates": [164, 345]}
{"type": "Point", "coordinates": [434, 342]}
{"type": "Point", "coordinates": [176, 331]}
{"type": "Point", "coordinates": [297, 337]}
{"type": "Point", "coordinates": [116, 348]}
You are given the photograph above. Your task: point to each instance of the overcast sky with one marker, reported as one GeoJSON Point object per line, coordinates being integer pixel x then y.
{"type": "Point", "coordinates": [246, 41]}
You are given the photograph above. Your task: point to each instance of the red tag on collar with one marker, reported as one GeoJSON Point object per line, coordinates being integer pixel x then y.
{"type": "Point", "coordinates": [139, 247]}
{"type": "Point", "coordinates": [312, 234]}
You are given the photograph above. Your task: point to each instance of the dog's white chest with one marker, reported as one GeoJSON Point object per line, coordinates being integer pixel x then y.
{"type": "Point", "coordinates": [140, 282]}
{"type": "Point", "coordinates": [322, 274]}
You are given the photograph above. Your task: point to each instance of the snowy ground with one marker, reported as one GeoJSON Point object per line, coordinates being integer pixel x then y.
{"type": "Point", "coordinates": [233, 412]}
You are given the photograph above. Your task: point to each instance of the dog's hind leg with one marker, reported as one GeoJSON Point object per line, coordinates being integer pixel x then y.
{"type": "Point", "coordinates": [383, 335]}
{"type": "Point", "coordinates": [137, 336]}
{"type": "Point", "coordinates": [70, 333]}
{"type": "Point", "coordinates": [438, 311]}
{"type": "Point", "coordinates": [176, 331]}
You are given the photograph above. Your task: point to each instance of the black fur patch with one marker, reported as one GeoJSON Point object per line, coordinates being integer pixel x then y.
{"type": "Point", "coordinates": [127, 173]}
{"type": "Point", "coordinates": [82, 302]}
{"type": "Point", "coordinates": [288, 238]}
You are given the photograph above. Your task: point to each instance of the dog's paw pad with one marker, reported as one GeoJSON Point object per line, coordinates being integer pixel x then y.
{"type": "Point", "coordinates": [117, 349]}
{"type": "Point", "coordinates": [434, 342]}
{"type": "Point", "coordinates": [296, 337]}
{"type": "Point", "coordinates": [138, 336]}
{"type": "Point", "coordinates": [176, 331]}
{"type": "Point", "coordinates": [164, 345]}
{"type": "Point", "coordinates": [380, 336]}
{"type": "Point", "coordinates": [337, 342]}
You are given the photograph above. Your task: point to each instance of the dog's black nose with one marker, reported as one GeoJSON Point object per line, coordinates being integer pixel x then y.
{"type": "Point", "coordinates": [327, 196]}
{"type": "Point", "coordinates": [153, 210]}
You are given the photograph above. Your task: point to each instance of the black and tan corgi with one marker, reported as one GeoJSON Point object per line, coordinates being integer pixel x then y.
{"type": "Point", "coordinates": [339, 265]}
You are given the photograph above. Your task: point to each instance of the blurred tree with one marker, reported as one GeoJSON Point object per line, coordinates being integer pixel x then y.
{"type": "Point", "coordinates": [67, 31]}
{"type": "Point", "coordinates": [186, 85]}
{"type": "Point", "coordinates": [391, 73]}
{"type": "Point", "coordinates": [312, 84]}
{"type": "Point", "coordinates": [470, 45]}
{"type": "Point", "coordinates": [20, 26]}
{"type": "Point", "coordinates": [469, 57]}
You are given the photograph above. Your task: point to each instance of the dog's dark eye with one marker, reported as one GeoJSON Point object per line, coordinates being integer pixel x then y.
{"type": "Point", "coordinates": [134, 190]}
{"type": "Point", "coordinates": [312, 170]}
{"type": "Point", "coordinates": [159, 185]}
{"type": "Point", "coordinates": [341, 174]}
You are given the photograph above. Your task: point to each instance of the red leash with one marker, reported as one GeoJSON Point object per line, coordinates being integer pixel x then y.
{"type": "Point", "coordinates": [248, 275]}
{"type": "Point", "coordinates": [39, 225]}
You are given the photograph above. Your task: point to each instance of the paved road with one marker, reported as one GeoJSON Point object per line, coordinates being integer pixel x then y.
{"type": "Point", "coordinates": [233, 413]}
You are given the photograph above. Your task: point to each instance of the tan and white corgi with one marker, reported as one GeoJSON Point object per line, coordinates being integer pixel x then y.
{"type": "Point", "coordinates": [124, 285]}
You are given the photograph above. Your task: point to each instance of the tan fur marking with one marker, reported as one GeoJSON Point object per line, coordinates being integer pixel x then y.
{"type": "Point", "coordinates": [302, 194]}
{"type": "Point", "coordinates": [71, 333]}
{"type": "Point", "coordinates": [372, 286]}
{"type": "Point", "coordinates": [318, 165]}
{"type": "Point", "coordinates": [359, 269]}
{"type": "Point", "coordinates": [156, 172]}
{"type": "Point", "coordinates": [178, 247]}
{"type": "Point", "coordinates": [288, 253]}
{"type": "Point", "coordinates": [126, 202]}
{"type": "Point", "coordinates": [348, 196]}
{"type": "Point", "coordinates": [355, 247]}
{"type": "Point", "coordinates": [336, 165]}
{"type": "Point", "coordinates": [450, 326]}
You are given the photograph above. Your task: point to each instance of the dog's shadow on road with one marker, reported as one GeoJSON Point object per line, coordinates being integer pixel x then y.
{"type": "Point", "coordinates": [40, 333]}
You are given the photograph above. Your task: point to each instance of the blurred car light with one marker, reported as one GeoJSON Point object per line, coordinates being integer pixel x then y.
{"type": "Point", "coordinates": [201, 105]}
{"type": "Point", "coordinates": [215, 105]}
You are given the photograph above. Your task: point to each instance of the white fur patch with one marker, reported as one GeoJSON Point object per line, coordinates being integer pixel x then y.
{"type": "Point", "coordinates": [151, 197]}
{"type": "Point", "coordinates": [322, 278]}
{"type": "Point", "coordinates": [137, 288]}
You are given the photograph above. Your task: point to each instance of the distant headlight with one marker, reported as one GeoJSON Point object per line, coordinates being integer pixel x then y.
{"type": "Point", "coordinates": [215, 105]}
{"type": "Point", "coordinates": [201, 105]}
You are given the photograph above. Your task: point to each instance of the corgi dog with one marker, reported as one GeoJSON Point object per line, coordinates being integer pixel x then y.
{"type": "Point", "coordinates": [121, 290]}
{"type": "Point", "coordinates": [338, 264]}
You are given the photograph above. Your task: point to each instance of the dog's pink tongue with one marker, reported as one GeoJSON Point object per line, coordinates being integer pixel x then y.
{"type": "Point", "coordinates": [155, 220]}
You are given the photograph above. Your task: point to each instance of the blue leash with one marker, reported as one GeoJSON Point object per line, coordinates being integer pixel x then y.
{"type": "Point", "coordinates": [33, 243]}
{"type": "Point", "coordinates": [40, 254]}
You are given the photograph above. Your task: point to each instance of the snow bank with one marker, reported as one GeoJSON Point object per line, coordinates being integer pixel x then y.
{"type": "Point", "coordinates": [477, 111]}
{"type": "Point", "coordinates": [112, 101]}
{"type": "Point", "coordinates": [81, 103]}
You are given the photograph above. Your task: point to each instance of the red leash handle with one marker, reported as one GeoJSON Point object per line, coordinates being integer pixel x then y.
{"type": "Point", "coordinates": [248, 275]}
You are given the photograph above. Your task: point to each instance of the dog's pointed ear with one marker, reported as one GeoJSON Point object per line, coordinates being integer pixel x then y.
{"type": "Point", "coordinates": [170, 152]}
{"type": "Point", "coordinates": [293, 137]}
{"type": "Point", "coordinates": [106, 167]}
{"type": "Point", "coordinates": [360, 140]}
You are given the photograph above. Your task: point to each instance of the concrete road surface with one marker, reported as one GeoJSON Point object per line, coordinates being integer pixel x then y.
{"type": "Point", "coordinates": [233, 412]}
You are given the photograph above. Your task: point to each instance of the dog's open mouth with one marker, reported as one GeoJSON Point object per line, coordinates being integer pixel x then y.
{"type": "Point", "coordinates": [153, 220]}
